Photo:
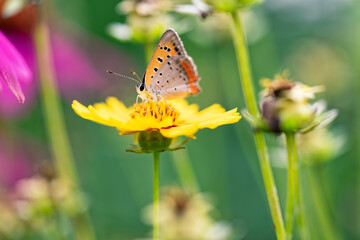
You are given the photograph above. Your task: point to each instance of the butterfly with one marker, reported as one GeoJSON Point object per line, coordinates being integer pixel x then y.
{"type": "Point", "coordinates": [171, 73]}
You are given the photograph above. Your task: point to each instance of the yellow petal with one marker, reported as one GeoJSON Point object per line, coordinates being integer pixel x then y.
{"type": "Point", "coordinates": [215, 116]}
{"type": "Point", "coordinates": [186, 121]}
{"type": "Point", "coordinates": [90, 113]}
{"type": "Point", "coordinates": [186, 130]}
{"type": "Point", "coordinates": [220, 119]}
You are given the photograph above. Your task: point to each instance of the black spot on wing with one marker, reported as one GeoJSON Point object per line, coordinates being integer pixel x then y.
{"type": "Point", "coordinates": [160, 59]}
{"type": "Point", "coordinates": [155, 69]}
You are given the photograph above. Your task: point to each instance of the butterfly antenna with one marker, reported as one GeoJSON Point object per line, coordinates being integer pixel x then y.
{"type": "Point", "coordinates": [135, 74]}
{"type": "Point", "coordinates": [120, 75]}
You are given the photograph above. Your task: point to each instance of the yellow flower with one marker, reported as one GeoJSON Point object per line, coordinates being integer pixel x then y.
{"type": "Point", "coordinates": [181, 120]}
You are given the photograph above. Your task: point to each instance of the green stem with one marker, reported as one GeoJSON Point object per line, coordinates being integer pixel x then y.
{"type": "Point", "coordinates": [52, 106]}
{"type": "Point", "coordinates": [301, 218]}
{"type": "Point", "coordinates": [250, 100]}
{"type": "Point", "coordinates": [244, 64]}
{"type": "Point", "coordinates": [156, 233]}
{"type": "Point", "coordinates": [184, 170]}
{"type": "Point", "coordinates": [328, 228]}
{"type": "Point", "coordinates": [55, 123]}
{"type": "Point", "coordinates": [292, 183]}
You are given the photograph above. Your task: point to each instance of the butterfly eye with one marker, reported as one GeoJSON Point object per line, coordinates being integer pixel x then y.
{"type": "Point", "coordinates": [141, 87]}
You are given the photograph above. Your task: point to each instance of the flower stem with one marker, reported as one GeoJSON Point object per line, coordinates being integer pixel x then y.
{"type": "Point", "coordinates": [250, 100]}
{"type": "Point", "coordinates": [301, 218]}
{"type": "Point", "coordinates": [52, 106]}
{"type": "Point", "coordinates": [156, 233]}
{"type": "Point", "coordinates": [292, 183]}
{"type": "Point", "coordinates": [328, 228]}
{"type": "Point", "coordinates": [55, 123]}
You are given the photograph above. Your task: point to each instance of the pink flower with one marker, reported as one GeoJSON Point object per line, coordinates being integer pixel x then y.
{"type": "Point", "coordinates": [13, 68]}
{"type": "Point", "coordinates": [79, 69]}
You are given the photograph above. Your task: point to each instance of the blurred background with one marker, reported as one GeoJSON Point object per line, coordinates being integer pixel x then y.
{"type": "Point", "coordinates": [317, 40]}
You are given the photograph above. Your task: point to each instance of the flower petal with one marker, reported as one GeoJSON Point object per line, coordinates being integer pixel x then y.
{"type": "Point", "coordinates": [75, 71]}
{"type": "Point", "coordinates": [93, 114]}
{"type": "Point", "coordinates": [14, 58]}
{"type": "Point", "coordinates": [185, 130]}
{"type": "Point", "coordinates": [13, 67]}
{"type": "Point", "coordinates": [8, 76]}
{"type": "Point", "coordinates": [215, 116]}
{"type": "Point", "coordinates": [114, 113]}
{"type": "Point", "coordinates": [216, 120]}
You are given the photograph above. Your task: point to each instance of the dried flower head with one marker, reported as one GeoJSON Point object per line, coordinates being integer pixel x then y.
{"type": "Point", "coordinates": [285, 107]}
{"type": "Point", "coordinates": [146, 20]}
{"type": "Point", "coordinates": [39, 198]}
{"type": "Point", "coordinates": [185, 215]}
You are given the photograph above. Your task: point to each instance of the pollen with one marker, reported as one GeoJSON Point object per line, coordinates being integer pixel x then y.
{"type": "Point", "coordinates": [158, 111]}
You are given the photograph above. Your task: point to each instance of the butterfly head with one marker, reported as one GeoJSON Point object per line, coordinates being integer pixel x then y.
{"type": "Point", "coordinates": [143, 92]}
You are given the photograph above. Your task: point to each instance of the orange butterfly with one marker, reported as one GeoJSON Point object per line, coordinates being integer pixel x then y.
{"type": "Point", "coordinates": [171, 73]}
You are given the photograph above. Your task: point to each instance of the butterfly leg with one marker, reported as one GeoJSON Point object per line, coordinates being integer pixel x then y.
{"type": "Point", "coordinates": [158, 108]}
{"type": "Point", "coordinates": [137, 99]}
{"type": "Point", "coordinates": [145, 101]}
{"type": "Point", "coordinates": [168, 105]}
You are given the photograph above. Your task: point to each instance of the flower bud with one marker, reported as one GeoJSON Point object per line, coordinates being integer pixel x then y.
{"type": "Point", "coordinates": [153, 141]}
{"type": "Point", "coordinates": [285, 105]}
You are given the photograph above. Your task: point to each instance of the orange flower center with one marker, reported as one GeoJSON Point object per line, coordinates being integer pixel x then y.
{"type": "Point", "coordinates": [159, 111]}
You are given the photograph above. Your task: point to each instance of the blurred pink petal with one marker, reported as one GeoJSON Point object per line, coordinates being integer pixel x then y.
{"type": "Point", "coordinates": [15, 164]}
{"type": "Point", "coordinates": [13, 168]}
{"type": "Point", "coordinates": [75, 72]}
{"type": "Point", "coordinates": [13, 68]}
{"type": "Point", "coordinates": [80, 70]}
{"type": "Point", "coordinates": [9, 106]}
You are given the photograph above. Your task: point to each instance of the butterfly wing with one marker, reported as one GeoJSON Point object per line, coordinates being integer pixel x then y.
{"type": "Point", "coordinates": [176, 78]}
{"type": "Point", "coordinates": [169, 45]}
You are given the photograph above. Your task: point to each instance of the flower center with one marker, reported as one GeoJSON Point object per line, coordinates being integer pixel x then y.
{"type": "Point", "coordinates": [159, 111]}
